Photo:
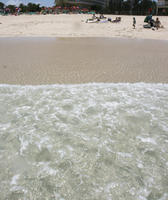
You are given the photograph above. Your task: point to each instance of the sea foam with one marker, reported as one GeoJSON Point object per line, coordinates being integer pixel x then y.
{"type": "Point", "coordinates": [88, 141]}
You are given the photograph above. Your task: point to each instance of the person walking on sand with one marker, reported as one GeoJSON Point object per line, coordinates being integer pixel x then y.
{"type": "Point", "coordinates": [134, 22]}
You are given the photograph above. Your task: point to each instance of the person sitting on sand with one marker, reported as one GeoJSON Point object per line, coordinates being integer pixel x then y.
{"type": "Point", "coordinates": [157, 23]}
{"type": "Point", "coordinates": [94, 16]}
{"type": "Point", "coordinates": [102, 16]}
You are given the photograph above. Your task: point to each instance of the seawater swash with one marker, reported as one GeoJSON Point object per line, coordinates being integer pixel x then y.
{"type": "Point", "coordinates": [90, 141]}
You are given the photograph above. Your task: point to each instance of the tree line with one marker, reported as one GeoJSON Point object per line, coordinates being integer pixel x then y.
{"type": "Point", "coordinates": [30, 7]}
{"type": "Point", "coordinates": [135, 7]}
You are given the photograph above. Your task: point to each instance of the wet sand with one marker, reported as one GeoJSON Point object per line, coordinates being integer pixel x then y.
{"type": "Point", "coordinates": [82, 60]}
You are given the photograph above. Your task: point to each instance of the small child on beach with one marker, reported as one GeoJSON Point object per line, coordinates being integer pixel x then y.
{"type": "Point", "coordinates": [134, 22]}
{"type": "Point", "coordinates": [157, 23]}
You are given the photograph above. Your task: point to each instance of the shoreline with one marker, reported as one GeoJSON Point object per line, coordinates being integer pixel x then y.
{"type": "Point", "coordinates": [81, 85]}
{"type": "Point", "coordinates": [47, 38]}
{"type": "Point", "coordinates": [37, 61]}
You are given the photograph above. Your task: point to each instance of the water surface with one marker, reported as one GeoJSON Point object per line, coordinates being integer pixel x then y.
{"type": "Point", "coordinates": [84, 142]}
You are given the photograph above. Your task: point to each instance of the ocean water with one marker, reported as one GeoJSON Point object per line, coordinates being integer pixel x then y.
{"type": "Point", "coordinates": [84, 142]}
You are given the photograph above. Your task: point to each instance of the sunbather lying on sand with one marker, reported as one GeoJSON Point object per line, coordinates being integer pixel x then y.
{"type": "Point", "coordinates": [96, 19]}
{"type": "Point", "coordinates": [93, 19]}
{"type": "Point", "coordinates": [118, 19]}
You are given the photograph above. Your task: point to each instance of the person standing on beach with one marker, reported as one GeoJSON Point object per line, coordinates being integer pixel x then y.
{"type": "Point", "coordinates": [134, 22]}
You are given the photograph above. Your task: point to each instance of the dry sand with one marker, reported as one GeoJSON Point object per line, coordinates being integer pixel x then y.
{"type": "Point", "coordinates": [82, 60]}
{"type": "Point", "coordinates": [66, 25]}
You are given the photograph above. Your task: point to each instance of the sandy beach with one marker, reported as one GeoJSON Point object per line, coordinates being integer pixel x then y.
{"type": "Point", "coordinates": [62, 139]}
{"type": "Point", "coordinates": [65, 25]}
{"type": "Point", "coordinates": [82, 60]}
{"type": "Point", "coordinates": [63, 48]}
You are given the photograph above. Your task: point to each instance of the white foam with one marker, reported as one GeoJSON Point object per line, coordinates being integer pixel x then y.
{"type": "Point", "coordinates": [147, 140]}
{"type": "Point", "coordinates": [15, 179]}
{"type": "Point", "coordinates": [24, 145]}
{"type": "Point", "coordinates": [110, 186]}
{"type": "Point", "coordinates": [123, 154]}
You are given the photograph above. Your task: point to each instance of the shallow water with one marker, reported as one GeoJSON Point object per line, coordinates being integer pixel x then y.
{"type": "Point", "coordinates": [84, 142]}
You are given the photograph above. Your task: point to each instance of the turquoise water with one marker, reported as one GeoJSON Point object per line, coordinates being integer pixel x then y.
{"type": "Point", "coordinates": [84, 142]}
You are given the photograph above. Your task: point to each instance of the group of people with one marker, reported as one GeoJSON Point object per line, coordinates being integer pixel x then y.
{"type": "Point", "coordinates": [94, 17]}
{"type": "Point", "coordinates": [156, 24]}
{"type": "Point", "coordinates": [151, 23]}
{"type": "Point", "coordinates": [117, 19]}
{"type": "Point", "coordinates": [102, 18]}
